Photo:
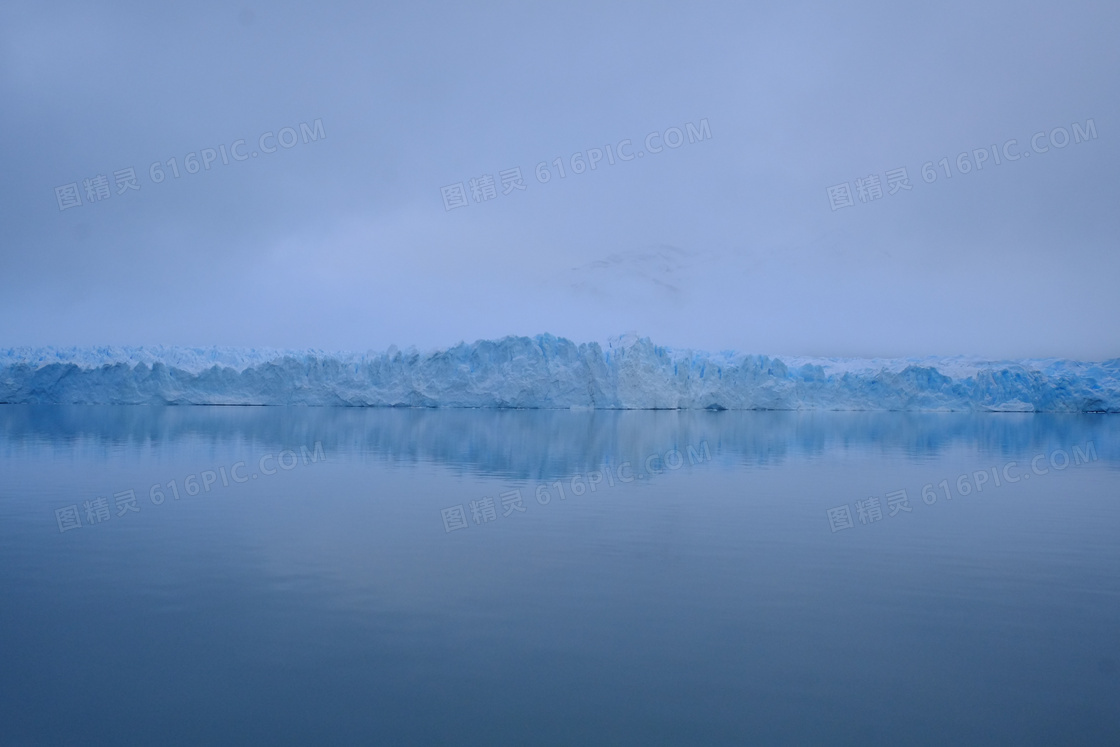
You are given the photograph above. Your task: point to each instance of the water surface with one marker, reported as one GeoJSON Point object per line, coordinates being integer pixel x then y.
{"type": "Point", "coordinates": [415, 576]}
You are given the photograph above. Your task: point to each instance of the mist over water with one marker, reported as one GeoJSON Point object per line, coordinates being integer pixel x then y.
{"type": "Point", "coordinates": [781, 337]}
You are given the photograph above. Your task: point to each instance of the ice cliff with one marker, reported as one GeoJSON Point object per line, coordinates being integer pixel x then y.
{"type": "Point", "coordinates": [551, 372]}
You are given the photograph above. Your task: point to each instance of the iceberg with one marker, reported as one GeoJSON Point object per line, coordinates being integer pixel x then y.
{"type": "Point", "coordinates": [547, 372]}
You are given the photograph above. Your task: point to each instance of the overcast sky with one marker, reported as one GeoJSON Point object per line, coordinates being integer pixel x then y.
{"type": "Point", "coordinates": [345, 239]}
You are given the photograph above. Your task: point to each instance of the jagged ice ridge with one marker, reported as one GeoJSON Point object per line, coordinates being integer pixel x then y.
{"type": "Point", "coordinates": [551, 372]}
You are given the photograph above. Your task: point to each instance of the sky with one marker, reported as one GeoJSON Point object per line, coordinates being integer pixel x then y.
{"type": "Point", "coordinates": [359, 187]}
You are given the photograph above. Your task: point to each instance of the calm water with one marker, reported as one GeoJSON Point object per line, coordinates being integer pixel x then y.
{"type": "Point", "coordinates": [334, 582]}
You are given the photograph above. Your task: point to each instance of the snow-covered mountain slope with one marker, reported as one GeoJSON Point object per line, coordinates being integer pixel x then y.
{"type": "Point", "coordinates": [550, 372]}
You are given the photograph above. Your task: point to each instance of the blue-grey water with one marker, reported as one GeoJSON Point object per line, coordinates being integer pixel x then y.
{"type": "Point", "coordinates": [356, 576]}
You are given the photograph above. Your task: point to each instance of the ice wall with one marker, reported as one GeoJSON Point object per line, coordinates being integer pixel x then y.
{"type": "Point", "coordinates": [551, 372]}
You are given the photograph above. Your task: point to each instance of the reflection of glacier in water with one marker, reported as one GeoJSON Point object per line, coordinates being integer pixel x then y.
{"type": "Point", "coordinates": [550, 372]}
{"type": "Point", "coordinates": [549, 443]}
{"type": "Point", "coordinates": [745, 593]}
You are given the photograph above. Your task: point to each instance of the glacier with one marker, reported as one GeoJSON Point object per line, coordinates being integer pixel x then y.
{"type": "Point", "coordinates": [550, 372]}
